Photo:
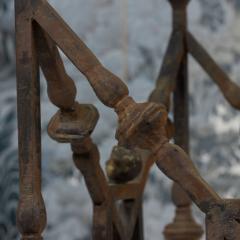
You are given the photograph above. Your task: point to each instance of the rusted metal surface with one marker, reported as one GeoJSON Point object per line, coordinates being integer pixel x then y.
{"type": "Point", "coordinates": [31, 217]}
{"type": "Point", "coordinates": [183, 227]}
{"type": "Point", "coordinates": [229, 89]}
{"type": "Point", "coordinates": [143, 132]}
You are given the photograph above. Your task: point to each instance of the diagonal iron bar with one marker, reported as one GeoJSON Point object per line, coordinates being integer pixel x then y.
{"type": "Point", "coordinates": [230, 90]}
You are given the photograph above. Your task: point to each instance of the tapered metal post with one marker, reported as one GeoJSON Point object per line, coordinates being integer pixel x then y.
{"type": "Point", "coordinates": [31, 216]}
{"type": "Point", "coordinates": [184, 226]}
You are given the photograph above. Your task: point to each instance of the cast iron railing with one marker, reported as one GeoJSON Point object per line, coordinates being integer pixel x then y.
{"type": "Point", "coordinates": [143, 133]}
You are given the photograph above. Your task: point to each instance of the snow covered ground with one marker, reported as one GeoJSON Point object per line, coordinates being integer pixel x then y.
{"type": "Point", "coordinates": [130, 38]}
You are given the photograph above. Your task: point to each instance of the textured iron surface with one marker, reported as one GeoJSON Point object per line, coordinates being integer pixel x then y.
{"type": "Point", "coordinates": [143, 132]}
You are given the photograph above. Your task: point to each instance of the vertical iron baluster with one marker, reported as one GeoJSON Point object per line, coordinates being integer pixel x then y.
{"type": "Point", "coordinates": [184, 226]}
{"type": "Point", "coordinates": [31, 215]}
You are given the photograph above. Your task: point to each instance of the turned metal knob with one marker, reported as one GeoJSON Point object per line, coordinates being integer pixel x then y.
{"type": "Point", "coordinates": [124, 165]}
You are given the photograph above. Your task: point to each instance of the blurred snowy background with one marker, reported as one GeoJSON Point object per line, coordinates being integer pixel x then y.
{"type": "Point", "coordinates": [130, 38]}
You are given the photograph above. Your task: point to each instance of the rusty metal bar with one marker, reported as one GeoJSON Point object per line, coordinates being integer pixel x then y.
{"type": "Point", "coordinates": [61, 88]}
{"type": "Point", "coordinates": [31, 216]}
{"type": "Point", "coordinates": [230, 90]}
{"type": "Point", "coordinates": [183, 227]}
{"type": "Point", "coordinates": [80, 55]}
{"type": "Point", "coordinates": [166, 81]}
{"type": "Point", "coordinates": [139, 228]}
{"type": "Point", "coordinates": [73, 47]}
{"type": "Point", "coordinates": [86, 158]}
{"type": "Point", "coordinates": [181, 138]}
{"type": "Point", "coordinates": [88, 163]}
{"type": "Point", "coordinates": [142, 126]}
{"type": "Point", "coordinates": [125, 190]}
